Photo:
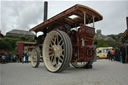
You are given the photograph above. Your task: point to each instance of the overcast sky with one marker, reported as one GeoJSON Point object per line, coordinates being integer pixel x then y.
{"type": "Point", "coordinates": [27, 14]}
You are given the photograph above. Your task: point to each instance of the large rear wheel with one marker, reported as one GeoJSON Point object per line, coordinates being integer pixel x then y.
{"type": "Point", "coordinates": [57, 51]}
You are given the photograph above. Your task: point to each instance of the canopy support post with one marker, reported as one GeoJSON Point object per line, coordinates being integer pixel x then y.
{"type": "Point", "coordinates": [93, 21]}
{"type": "Point", "coordinates": [84, 18]}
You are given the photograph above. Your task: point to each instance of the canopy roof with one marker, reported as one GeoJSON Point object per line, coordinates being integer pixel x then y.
{"type": "Point", "coordinates": [77, 11]}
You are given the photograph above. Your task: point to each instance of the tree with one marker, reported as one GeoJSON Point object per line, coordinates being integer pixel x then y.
{"type": "Point", "coordinates": [9, 43]}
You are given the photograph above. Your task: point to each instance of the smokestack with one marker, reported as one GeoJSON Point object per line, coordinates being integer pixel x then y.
{"type": "Point", "coordinates": [127, 21]}
{"type": "Point", "coordinates": [45, 10]}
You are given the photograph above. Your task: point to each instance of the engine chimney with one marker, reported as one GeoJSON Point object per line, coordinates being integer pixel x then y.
{"type": "Point", "coordinates": [127, 21]}
{"type": "Point", "coordinates": [45, 10]}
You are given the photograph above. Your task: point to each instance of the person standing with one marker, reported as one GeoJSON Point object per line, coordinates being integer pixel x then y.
{"type": "Point", "coordinates": [117, 54]}
{"type": "Point", "coordinates": [3, 59]}
{"type": "Point", "coordinates": [9, 58]}
{"type": "Point", "coordinates": [26, 57]}
{"type": "Point", "coordinates": [23, 57]}
{"type": "Point", "coordinates": [113, 54]}
{"type": "Point", "coordinates": [122, 52]}
{"type": "Point", "coordinates": [109, 55]}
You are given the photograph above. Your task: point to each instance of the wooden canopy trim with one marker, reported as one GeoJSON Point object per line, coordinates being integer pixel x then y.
{"type": "Point", "coordinates": [63, 18]}
{"type": "Point", "coordinates": [31, 43]}
{"type": "Point", "coordinates": [125, 34]}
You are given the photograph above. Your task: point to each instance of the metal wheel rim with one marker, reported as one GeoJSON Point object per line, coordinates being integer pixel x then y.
{"type": "Point", "coordinates": [53, 51]}
{"type": "Point", "coordinates": [79, 64]}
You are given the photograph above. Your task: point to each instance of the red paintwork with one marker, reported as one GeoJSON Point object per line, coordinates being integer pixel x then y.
{"type": "Point", "coordinates": [3, 52]}
{"type": "Point", "coordinates": [20, 47]}
{"type": "Point", "coordinates": [83, 53]}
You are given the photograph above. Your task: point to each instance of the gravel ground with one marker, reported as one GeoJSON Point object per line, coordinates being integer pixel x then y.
{"type": "Point", "coordinates": [104, 72]}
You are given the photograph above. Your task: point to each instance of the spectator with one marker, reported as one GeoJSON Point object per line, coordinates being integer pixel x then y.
{"type": "Point", "coordinates": [14, 58]}
{"type": "Point", "coordinates": [109, 55]}
{"type": "Point", "coordinates": [23, 57]}
{"type": "Point", "coordinates": [17, 58]}
{"type": "Point", "coordinates": [9, 58]}
{"type": "Point", "coordinates": [26, 57]}
{"type": "Point", "coordinates": [3, 59]}
{"type": "Point", "coordinates": [113, 54]}
{"type": "Point", "coordinates": [122, 53]}
{"type": "Point", "coordinates": [117, 54]}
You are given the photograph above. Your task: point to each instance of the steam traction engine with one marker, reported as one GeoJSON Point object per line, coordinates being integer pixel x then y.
{"type": "Point", "coordinates": [67, 38]}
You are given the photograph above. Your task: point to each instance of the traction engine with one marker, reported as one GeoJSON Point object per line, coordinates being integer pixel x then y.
{"type": "Point", "coordinates": [67, 39]}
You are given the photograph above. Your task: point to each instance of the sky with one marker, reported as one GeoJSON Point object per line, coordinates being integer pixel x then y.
{"type": "Point", "coordinates": [25, 14]}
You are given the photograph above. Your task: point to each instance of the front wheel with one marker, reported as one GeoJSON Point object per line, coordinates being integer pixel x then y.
{"type": "Point", "coordinates": [35, 57]}
{"type": "Point", "coordinates": [57, 51]}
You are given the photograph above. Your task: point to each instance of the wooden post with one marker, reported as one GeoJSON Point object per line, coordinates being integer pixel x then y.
{"type": "Point", "coordinates": [93, 21]}
{"type": "Point", "coordinates": [84, 18]}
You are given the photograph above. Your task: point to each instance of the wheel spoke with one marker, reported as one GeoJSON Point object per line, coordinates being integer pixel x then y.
{"type": "Point", "coordinates": [52, 58]}
{"type": "Point", "coordinates": [53, 40]}
{"type": "Point", "coordinates": [48, 47]}
{"type": "Point", "coordinates": [54, 62]}
{"type": "Point", "coordinates": [51, 54]}
{"type": "Point", "coordinates": [51, 43]}
{"type": "Point", "coordinates": [60, 41]}
{"type": "Point", "coordinates": [62, 50]}
{"type": "Point", "coordinates": [61, 59]}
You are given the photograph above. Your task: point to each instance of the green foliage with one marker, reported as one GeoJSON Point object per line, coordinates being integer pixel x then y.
{"type": "Point", "coordinates": [9, 43]}
{"type": "Point", "coordinates": [109, 43]}
{"type": "Point", "coordinates": [101, 43]}
{"type": "Point", "coordinates": [116, 37]}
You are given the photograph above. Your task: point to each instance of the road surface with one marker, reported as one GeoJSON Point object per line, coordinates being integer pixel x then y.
{"type": "Point", "coordinates": [104, 72]}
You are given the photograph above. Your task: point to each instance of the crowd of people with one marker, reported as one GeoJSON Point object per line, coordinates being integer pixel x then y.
{"type": "Point", "coordinates": [117, 55]}
{"type": "Point", "coordinates": [8, 58]}
{"type": "Point", "coordinates": [14, 58]}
